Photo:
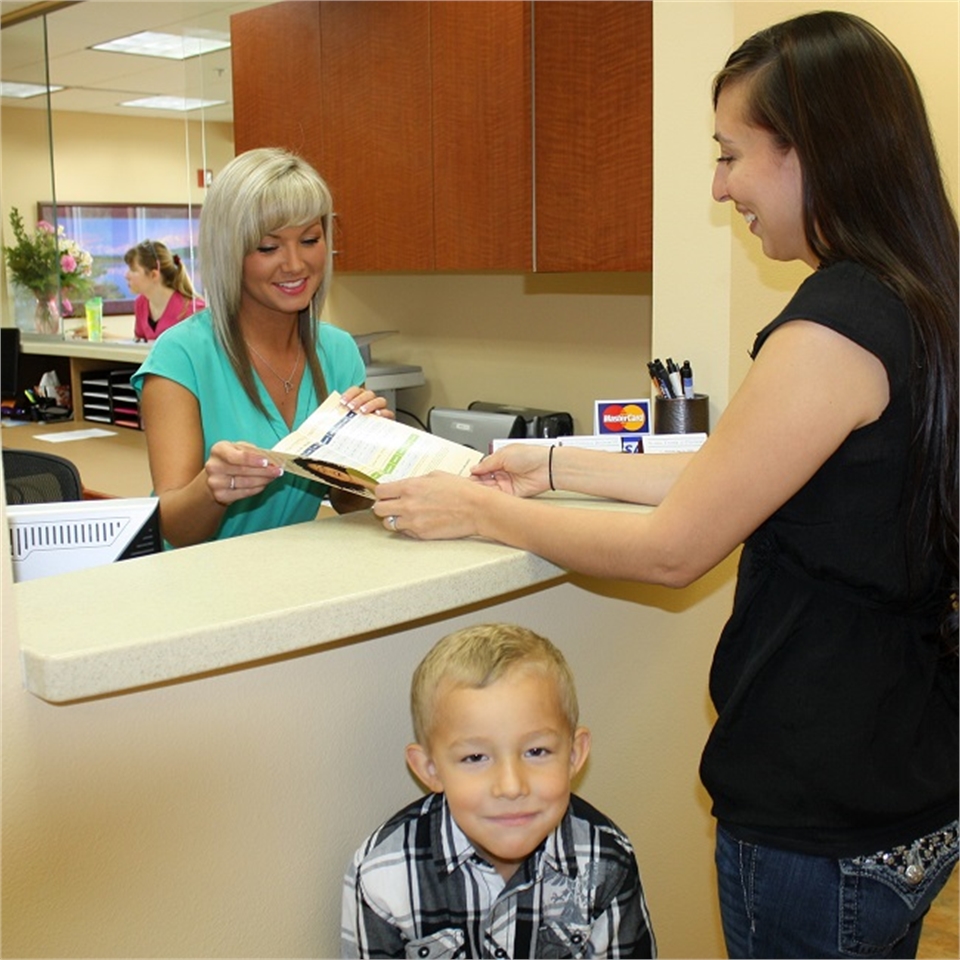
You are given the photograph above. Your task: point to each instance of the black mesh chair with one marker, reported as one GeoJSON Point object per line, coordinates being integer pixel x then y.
{"type": "Point", "coordinates": [31, 477]}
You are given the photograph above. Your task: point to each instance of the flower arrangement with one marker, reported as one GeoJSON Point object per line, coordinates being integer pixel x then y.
{"type": "Point", "coordinates": [48, 263]}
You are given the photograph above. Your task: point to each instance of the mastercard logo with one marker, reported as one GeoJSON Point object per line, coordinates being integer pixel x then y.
{"type": "Point", "coordinates": [625, 418]}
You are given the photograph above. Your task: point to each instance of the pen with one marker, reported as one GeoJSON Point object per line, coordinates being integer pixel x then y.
{"type": "Point", "coordinates": [673, 372]}
{"type": "Point", "coordinates": [664, 379]}
{"type": "Point", "coordinates": [686, 376]}
{"type": "Point", "coordinates": [655, 380]}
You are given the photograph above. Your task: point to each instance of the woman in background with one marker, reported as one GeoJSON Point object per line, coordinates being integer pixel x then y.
{"type": "Point", "coordinates": [165, 294]}
{"type": "Point", "coordinates": [833, 763]}
{"type": "Point", "coordinates": [255, 364]}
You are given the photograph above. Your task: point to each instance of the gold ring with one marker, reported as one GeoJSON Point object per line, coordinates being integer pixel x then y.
{"type": "Point", "coordinates": [233, 482]}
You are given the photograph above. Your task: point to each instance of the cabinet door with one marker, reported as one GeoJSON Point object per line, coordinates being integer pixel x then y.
{"type": "Point", "coordinates": [482, 158]}
{"type": "Point", "coordinates": [593, 135]}
{"type": "Point", "coordinates": [275, 60]}
{"type": "Point", "coordinates": [376, 151]}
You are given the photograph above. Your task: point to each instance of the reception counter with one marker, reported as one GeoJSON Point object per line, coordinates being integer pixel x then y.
{"type": "Point", "coordinates": [221, 605]}
{"type": "Point", "coordinates": [195, 743]}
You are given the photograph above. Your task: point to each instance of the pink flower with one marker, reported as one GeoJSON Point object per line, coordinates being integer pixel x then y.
{"type": "Point", "coordinates": [44, 226]}
{"type": "Point", "coordinates": [67, 263]}
{"type": "Point", "coordinates": [67, 305]}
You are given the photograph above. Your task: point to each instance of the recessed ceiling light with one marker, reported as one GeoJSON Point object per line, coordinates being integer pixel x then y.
{"type": "Point", "coordinates": [23, 91]}
{"type": "Point", "coordinates": [168, 45]}
{"type": "Point", "coordinates": [182, 104]}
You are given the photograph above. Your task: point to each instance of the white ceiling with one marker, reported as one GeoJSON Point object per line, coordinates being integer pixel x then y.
{"type": "Point", "coordinates": [96, 82]}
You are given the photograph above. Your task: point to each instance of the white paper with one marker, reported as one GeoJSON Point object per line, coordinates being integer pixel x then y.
{"type": "Point", "coordinates": [673, 442]}
{"type": "Point", "coordinates": [609, 442]}
{"type": "Point", "coordinates": [74, 435]}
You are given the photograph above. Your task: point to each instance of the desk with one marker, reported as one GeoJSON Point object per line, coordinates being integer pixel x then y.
{"type": "Point", "coordinates": [384, 379]}
{"type": "Point", "coordinates": [116, 465]}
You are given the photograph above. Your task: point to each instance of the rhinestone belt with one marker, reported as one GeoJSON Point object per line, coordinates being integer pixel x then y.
{"type": "Point", "coordinates": [912, 861]}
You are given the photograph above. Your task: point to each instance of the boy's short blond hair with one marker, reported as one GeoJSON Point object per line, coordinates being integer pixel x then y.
{"type": "Point", "coordinates": [478, 656]}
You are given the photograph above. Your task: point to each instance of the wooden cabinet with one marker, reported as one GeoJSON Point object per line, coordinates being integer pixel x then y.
{"type": "Point", "coordinates": [593, 132]}
{"type": "Point", "coordinates": [376, 152]}
{"type": "Point", "coordinates": [275, 51]}
{"type": "Point", "coordinates": [432, 122]}
{"type": "Point", "coordinates": [482, 156]}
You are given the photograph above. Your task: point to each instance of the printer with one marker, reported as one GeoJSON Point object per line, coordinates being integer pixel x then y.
{"type": "Point", "coordinates": [538, 423]}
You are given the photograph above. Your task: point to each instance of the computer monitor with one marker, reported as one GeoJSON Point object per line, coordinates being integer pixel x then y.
{"type": "Point", "coordinates": [9, 362]}
{"type": "Point", "coordinates": [50, 538]}
{"type": "Point", "coordinates": [476, 429]}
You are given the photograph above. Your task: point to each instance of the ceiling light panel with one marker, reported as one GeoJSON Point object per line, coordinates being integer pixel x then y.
{"type": "Point", "coordinates": [170, 46]}
{"type": "Point", "coordinates": [23, 91]}
{"type": "Point", "coordinates": [180, 104]}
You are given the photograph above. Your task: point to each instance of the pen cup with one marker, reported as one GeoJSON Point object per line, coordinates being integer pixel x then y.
{"type": "Point", "coordinates": [94, 309]}
{"type": "Point", "coordinates": [682, 414]}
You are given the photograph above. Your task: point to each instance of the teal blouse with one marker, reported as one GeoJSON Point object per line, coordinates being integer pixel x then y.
{"type": "Point", "coordinates": [189, 354]}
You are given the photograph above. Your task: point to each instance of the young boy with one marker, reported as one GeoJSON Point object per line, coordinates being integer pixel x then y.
{"type": "Point", "coordinates": [500, 860]}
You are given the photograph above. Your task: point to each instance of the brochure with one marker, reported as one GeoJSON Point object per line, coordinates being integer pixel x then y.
{"type": "Point", "coordinates": [356, 451]}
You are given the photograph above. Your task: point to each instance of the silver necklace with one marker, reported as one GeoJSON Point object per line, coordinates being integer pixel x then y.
{"type": "Point", "coordinates": [288, 381]}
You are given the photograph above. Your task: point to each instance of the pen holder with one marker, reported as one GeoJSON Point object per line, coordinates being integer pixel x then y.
{"type": "Point", "coordinates": [682, 414]}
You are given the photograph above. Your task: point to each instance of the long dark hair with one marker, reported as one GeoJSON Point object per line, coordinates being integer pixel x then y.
{"type": "Point", "coordinates": [837, 91]}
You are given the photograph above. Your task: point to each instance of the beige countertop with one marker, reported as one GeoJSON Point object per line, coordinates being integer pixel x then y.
{"type": "Point", "coordinates": [221, 605]}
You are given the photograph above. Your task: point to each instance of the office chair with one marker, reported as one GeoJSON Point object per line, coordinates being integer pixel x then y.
{"type": "Point", "coordinates": [31, 477]}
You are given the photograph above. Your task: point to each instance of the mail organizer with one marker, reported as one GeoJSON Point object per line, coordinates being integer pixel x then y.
{"type": "Point", "coordinates": [108, 397]}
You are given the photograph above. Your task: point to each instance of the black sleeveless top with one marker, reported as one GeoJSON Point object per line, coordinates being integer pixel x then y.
{"type": "Point", "coordinates": [837, 717]}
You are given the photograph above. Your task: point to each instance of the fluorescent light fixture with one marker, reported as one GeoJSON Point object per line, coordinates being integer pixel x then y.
{"type": "Point", "coordinates": [168, 45]}
{"type": "Point", "coordinates": [23, 91]}
{"type": "Point", "coordinates": [181, 104]}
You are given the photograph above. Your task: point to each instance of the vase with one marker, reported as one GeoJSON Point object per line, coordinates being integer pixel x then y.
{"type": "Point", "coordinates": [46, 316]}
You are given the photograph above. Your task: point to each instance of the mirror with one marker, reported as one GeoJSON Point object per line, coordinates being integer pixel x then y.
{"type": "Point", "coordinates": [82, 147]}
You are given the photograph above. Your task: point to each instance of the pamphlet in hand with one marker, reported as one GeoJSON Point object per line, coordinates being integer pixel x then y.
{"type": "Point", "coordinates": [356, 451]}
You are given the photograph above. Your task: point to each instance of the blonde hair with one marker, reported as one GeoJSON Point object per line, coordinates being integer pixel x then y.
{"type": "Point", "coordinates": [260, 192]}
{"type": "Point", "coordinates": [479, 656]}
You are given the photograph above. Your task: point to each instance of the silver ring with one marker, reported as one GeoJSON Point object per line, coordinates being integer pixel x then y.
{"type": "Point", "coordinates": [392, 523]}
{"type": "Point", "coordinates": [233, 482]}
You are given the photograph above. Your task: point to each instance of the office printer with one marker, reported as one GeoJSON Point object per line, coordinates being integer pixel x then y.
{"type": "Point", "coordinates": [539, 423]}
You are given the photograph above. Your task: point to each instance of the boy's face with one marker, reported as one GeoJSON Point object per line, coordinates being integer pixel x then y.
{"type": "Point", "coordinates": [504, 756]}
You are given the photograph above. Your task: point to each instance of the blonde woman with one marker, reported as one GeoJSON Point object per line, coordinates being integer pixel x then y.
{"type": "Point", "coordinates": [254, 364]}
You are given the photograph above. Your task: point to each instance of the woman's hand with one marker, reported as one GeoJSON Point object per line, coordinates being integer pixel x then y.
{"type": "Point", "coordinates": [363, 400]}
{"type": "Point", "coordinates": [439, 506]}
{"type": "Point", "coordinates": [521, 469]}
{"type": "Point", "coordinates": [236, 471]}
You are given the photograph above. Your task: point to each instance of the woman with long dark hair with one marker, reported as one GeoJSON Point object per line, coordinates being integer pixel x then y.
{"type": "Point", "coordinates": [833, 764]}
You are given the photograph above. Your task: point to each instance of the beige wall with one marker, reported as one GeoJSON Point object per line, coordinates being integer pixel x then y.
{"type": "Point", "coordinates": [213, 818]}
{"type": "Point", "coordinates": [99, 158]}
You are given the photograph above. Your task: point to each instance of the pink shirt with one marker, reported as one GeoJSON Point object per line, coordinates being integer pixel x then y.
{"type": "Point", "coordinates": [179, 308]}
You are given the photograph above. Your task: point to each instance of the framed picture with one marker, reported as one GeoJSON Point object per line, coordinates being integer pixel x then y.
{"type": "Point", "coordinates": [109, 230]}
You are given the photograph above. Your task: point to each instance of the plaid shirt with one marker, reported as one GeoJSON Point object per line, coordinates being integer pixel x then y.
{"type": "Point", "coordinates": [417, 888]}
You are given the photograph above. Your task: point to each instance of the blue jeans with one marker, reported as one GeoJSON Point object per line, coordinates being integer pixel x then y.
{"type": "Point", "coordinates": [775, 903]}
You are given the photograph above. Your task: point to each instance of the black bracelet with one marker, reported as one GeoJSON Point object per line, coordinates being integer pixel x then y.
{"type": "Point", "coordinates": [550, 466]}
